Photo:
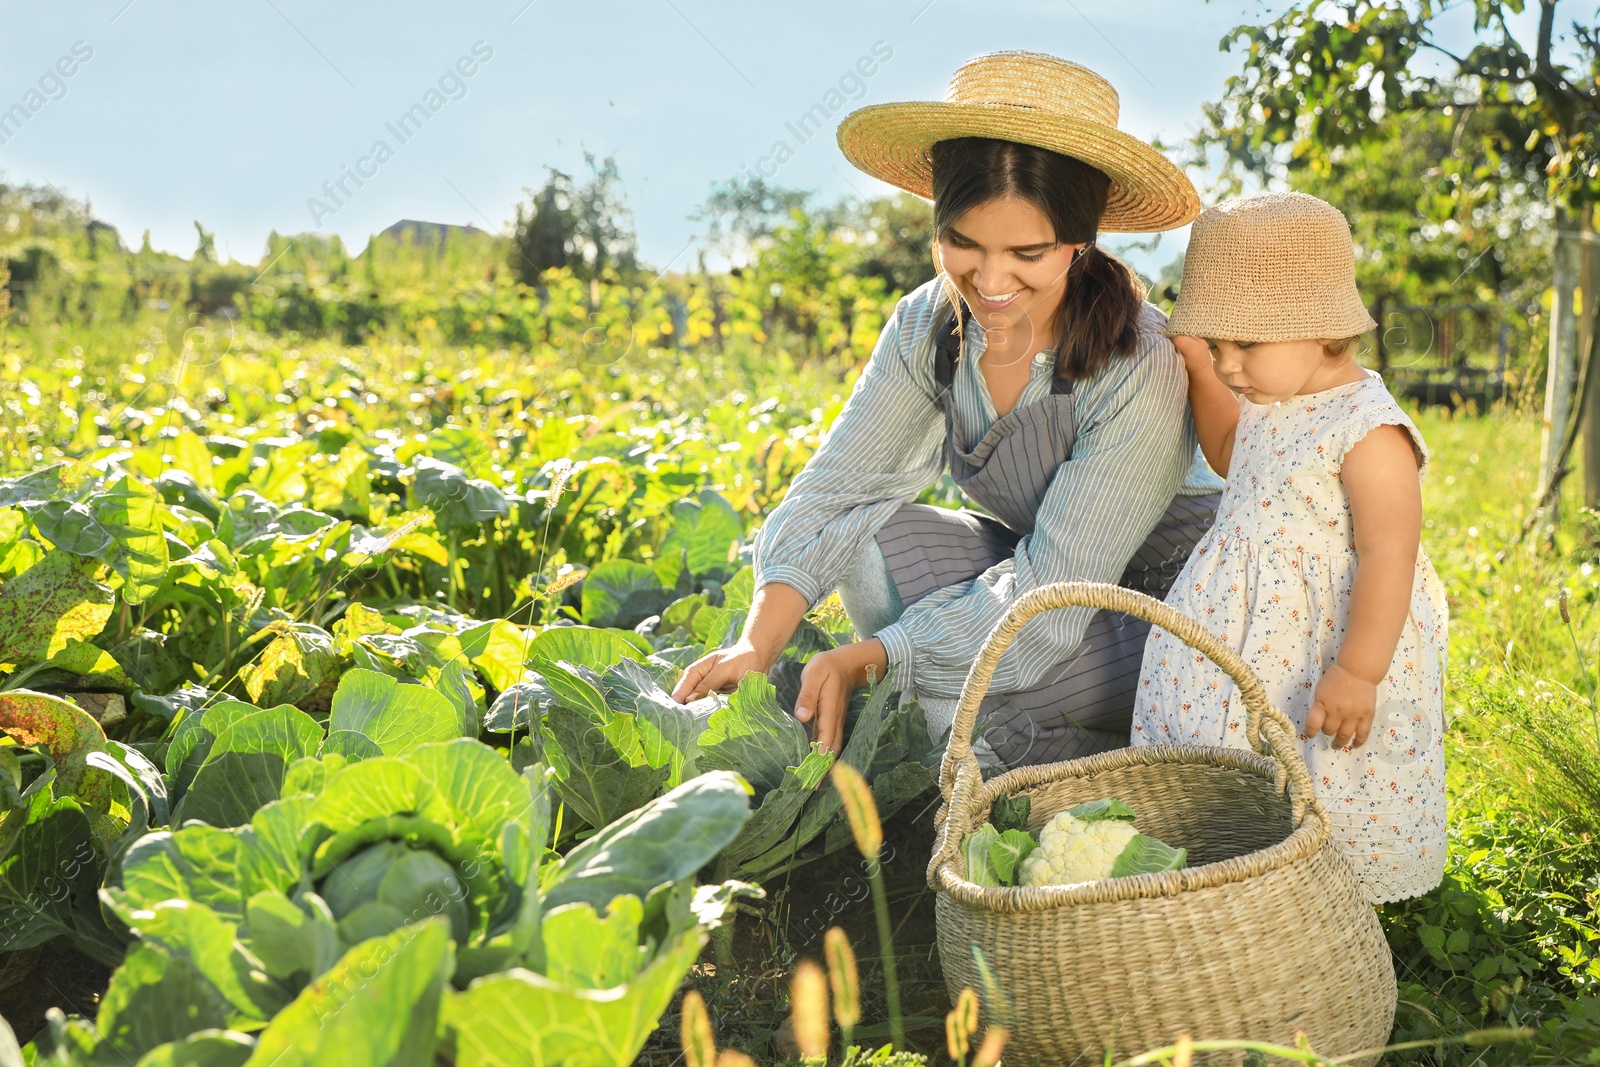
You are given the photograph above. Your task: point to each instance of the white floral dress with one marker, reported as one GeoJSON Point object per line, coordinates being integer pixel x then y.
{"type": "Point", "coordinates": [1272, 578]}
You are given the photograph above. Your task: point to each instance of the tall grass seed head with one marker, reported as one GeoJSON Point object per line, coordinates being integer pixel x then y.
{"type": "Point", "coordinates": [843, 980]}
{"type": "Point", "coordinates": [699, 1043]}
{"type": "Point", "coordinates": [808, 997]}
{"type": "Point", "coordinates": [559, 472]}
{"type": "Point", "coordinates": [860, 809]}
{"type": "Point", "coordinates": [994, 1043]}
{"type": "Point", "coordinates": [569, 576]}
{"type": "Point", "coordinates": [961, 1024]}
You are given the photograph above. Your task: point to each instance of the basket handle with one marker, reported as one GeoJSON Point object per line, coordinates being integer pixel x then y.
{"type": "Point", "coordinates": [1268, 729]}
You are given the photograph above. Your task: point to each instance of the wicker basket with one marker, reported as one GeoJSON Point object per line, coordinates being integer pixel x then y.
{"type": "Point", "coordinates": [1264, 935]}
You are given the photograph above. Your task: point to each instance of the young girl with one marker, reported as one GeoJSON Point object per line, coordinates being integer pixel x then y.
{"type": "Point", "coordinates": [1313, 572]}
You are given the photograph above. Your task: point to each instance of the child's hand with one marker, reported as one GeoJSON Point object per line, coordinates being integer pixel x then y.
{"type": "Point", "coordinates": [1196, 353]}
{"type": "Point", "coordinates": [1342, 708]}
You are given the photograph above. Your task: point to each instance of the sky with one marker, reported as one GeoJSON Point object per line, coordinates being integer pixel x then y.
{"type": "Point", "coordinates": [246, 116]}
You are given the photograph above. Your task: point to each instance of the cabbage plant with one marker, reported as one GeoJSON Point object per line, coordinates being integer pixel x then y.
{"type": "Point", "coordinates": [60, 830]}
{"type": "Point", "coordinates": [371, 896]}
{"type": "Point", "coordinates": [601, 717]}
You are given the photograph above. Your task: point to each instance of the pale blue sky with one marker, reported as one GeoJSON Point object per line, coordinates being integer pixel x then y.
{"type": "Point", "coordinates": [236, 114]}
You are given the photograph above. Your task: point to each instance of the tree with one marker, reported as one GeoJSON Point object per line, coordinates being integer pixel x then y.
{"type": "Point", "coordinates": [889, 238]}
{"type": "Point", "coordinates": [205, 249]}
{"type": "Point", "coordinates": [587, 228]}
{"type": "Point", "coordinates": [741, 212]}
{"type": "Point", "coordinates": [544, 228]}
{"type": "Point", "coordinates": [1324, 77]}
{"type": "Point", "coordinates": [892, 237]}
{"type": "Point", "coordinates": [1326, 83]}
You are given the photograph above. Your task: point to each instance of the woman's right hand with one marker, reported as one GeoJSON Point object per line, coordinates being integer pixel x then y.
{"type": "Point", "coordinates": [721, 671]}
{"type": "Point", "coordinates": [775, 611]}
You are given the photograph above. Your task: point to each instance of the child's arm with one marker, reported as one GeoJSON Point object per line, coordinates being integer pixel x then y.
{"type": "Point", "coordinates": [1380, 475]}
{"type": "Point", "coordinates": [1215, 407]}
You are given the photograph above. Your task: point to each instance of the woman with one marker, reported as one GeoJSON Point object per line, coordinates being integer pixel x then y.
{"type": "Point", "coordinates": [1053, 398]}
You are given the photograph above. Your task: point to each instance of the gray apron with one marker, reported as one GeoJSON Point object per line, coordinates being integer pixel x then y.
{"type": "Point", "coordinates": [1084, 704]}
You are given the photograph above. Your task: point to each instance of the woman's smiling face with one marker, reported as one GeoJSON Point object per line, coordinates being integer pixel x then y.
{"type": "Point", "coordinates": [1004, 259]}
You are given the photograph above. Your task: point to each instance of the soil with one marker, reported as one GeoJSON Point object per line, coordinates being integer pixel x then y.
{"type": "Point", "coordinates": [749, 1003]}
{"type": "Point", "coordinates": [35, 980]}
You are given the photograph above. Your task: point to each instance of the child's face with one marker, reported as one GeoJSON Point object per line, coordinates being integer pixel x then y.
{"type": "Point", "coordinates": [1265, 372]}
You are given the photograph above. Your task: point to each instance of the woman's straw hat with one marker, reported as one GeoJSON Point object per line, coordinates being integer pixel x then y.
{"type": "Point", "coordinates": [1033, 99]}
{"type": "Point", "coordinates": [1276, 267]}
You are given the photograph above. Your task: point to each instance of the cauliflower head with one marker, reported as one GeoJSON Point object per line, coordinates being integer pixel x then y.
{"type": "Point", "coordinates": [1076, 850]}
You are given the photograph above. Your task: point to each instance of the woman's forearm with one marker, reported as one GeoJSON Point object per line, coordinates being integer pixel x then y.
{"type": "Point", "coordinates": [775, 614]}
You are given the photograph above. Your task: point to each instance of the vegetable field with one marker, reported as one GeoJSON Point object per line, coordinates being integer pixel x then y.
{"type": "Point", "coordinates": [309, 691]}
{"type": "Point", "coordinates": [336, 696]}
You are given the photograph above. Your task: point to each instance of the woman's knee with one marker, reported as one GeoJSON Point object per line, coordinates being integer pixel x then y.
{"type": "Point", "coordinates": [868, 592]}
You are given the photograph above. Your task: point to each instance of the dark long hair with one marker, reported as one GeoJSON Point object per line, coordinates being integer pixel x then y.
{"type": "Point", "coordinates": [1099, 314]}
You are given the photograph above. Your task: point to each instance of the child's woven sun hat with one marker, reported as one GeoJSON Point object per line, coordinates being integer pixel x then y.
{"type": "Point", "coordinates": [1033, 99]}
{"type": "Point", "coordinates": [1275, 267]}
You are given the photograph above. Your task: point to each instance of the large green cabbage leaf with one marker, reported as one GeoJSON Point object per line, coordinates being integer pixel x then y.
{"type": "Point", "coordinates": [422, 869]}
{"type": "Point", "coordinates": [379, 1005]}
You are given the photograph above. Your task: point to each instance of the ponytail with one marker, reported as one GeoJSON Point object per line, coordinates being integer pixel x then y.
{"type": "Point", "coordinates": [1099, 315]}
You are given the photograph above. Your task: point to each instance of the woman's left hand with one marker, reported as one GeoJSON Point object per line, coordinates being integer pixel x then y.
{"type": "Point", "coordinates": [826, 684]}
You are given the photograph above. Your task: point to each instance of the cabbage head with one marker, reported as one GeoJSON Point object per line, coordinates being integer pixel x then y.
{"type": "Point", "coordinates": [356, 853]}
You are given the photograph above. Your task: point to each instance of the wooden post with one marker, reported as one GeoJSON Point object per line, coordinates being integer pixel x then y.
{"type": "Point", "coordinates": [1560, 381]}
{"type": "Point", "coordinates": [1502, 350]}
{"type": "Point", "coordinates": [1383, 349]}
{"type": "Point", "coordinates": [1586, 305]}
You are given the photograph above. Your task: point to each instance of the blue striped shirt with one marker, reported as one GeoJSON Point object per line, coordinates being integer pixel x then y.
{"type": "Point", "coordinates": [1135, 450]}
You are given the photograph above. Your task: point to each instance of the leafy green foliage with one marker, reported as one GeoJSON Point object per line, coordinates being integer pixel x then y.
{"type": "Point", "coordinates": [703, 540]}
{"type": "Point", "coordinates": [1007, 852]}
{"type": "Point", "coordinates": [459, 503]}
{"type": "Point", "coordinates": [395, 717]}
{"type": "Point", "coordinates": [752, 735]}
{"type": "Point", "coordinates": [378, 1004]}
{"type": "Point", "coordinates": [666, 840]}
{"type": "Point", "coordinates": [621, 592]}
{"type": "Point", "coordinates": [48, 872]}
{"type": "Point", "coordinates": [1011, 813]}
{"type": "Point", "coordinates": [1322, 77]}
{"type": "Point", "coordinates": [52, 603]}
{"type": "Point", "coordinates": [1104, 808]}
{"type": "Point", "coordinates": [1502, 942]}
{"type": "Point", "coordinates": [249, 751]}
{"type": "Point", "coordinates": [1146, 855]}
{"type": "Point", "coordinates": [549, 1021]}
